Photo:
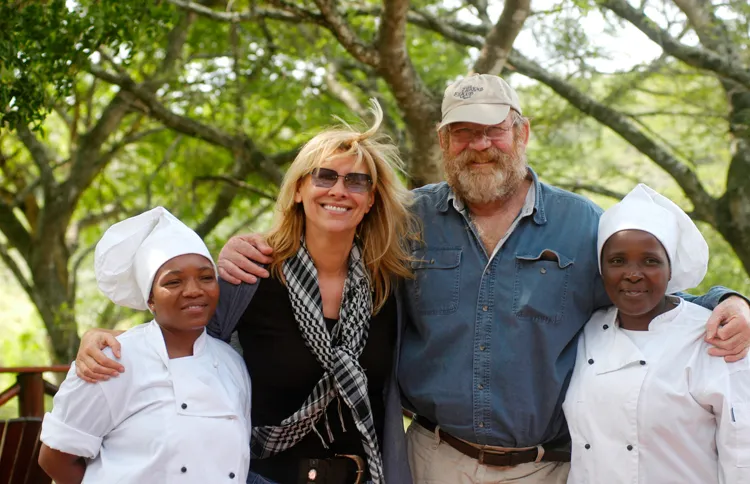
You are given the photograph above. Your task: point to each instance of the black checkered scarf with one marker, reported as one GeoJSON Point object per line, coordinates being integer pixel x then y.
{"type": "Point", "coordinates": [337, 352]}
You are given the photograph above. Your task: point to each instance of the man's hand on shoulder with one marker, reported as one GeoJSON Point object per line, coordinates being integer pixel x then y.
{"type": "Point", "coordinates": [92, 365]}
{"type": "Point", "coordinates": [728, 329]}
{"type": "Point", "coordinates": [239, 259]}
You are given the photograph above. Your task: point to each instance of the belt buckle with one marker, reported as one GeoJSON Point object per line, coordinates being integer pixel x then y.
{"type": "Point", "coordinates": [360, 465]}
{"type": "Point", "coordinates": [484, 452]}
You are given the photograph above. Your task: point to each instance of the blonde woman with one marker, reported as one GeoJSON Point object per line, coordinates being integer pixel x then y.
{"type": "Point", "coordinates": [320, 337]}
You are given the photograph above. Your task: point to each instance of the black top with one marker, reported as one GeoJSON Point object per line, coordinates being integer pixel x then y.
{"type": "Point", "coordinates": [284, 371]}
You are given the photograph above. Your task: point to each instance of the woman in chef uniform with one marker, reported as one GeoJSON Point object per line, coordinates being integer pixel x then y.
{"type": "Point", "coordinates": [181, 413]}
{"type": "Point", "coordinates": [646, 403]}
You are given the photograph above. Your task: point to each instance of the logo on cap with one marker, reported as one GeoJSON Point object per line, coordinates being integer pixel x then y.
{"type": "Point", "coordinates": [467, 91]}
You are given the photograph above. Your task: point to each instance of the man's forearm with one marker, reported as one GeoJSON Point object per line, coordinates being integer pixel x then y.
{"type": "Point", "coordinates": [713, 297]}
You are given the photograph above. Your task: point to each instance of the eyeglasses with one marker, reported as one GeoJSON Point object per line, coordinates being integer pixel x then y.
{"type": "Point", "coordinates": [492, 133]}
{"type": "Point", "coordinates": [354, 182]}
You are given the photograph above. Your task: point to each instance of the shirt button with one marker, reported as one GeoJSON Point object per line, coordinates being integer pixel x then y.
{"type": "Point", "coordinates": [480, 386]}
{"type": "Point", "coordinates": [587, 446]}
{"type": "Point", "coordinates": [643, 362]}
{"type": "Point", "coordinates": [184, 469]}
{"type": "Point", "coordinates": [231, 475]}
{"type": "Point", "coordinates": [606, 326]}
{"type": "Point", "coordinates": [184, 406]}
{"type": "Point", "coordinates": [591, 361]}
{"type": "Point", "coordinates": [630, 447]}
{"type": "Point", "coordinates": [485, 308]}
{"type": "Point", "coordinates": [543, 270]}
{"type": "Point", "coordinates": [482, 347]}
{"type": "Point", "coordinates": [481, 425]}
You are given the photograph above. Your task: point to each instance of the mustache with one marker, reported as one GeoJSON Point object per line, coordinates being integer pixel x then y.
{"type": "Point", "coordinates": [490, 155]}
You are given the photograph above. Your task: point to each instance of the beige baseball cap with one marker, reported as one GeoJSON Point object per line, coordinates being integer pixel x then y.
{"type": "Point", "coordinates": [479, 98]}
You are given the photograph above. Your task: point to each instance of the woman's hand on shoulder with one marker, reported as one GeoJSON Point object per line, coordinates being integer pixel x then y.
{"type": "Point", "coordinates": [92, 365]}
{"type": "Point", "coordinates": [239, 259]}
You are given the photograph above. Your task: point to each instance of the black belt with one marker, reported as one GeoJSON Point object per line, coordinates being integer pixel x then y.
{"type": "Point", "coordinates": [495, 458]}
{"type": "Point", "coordinates": [342, 469]}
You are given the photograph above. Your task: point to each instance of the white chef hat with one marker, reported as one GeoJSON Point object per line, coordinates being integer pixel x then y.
{"type": "Point", "coordinates": [645, 209]}
{"type": "Point", "coordinates": [132, 251]}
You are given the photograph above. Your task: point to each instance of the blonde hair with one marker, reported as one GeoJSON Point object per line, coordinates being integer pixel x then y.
{"type": "Point", "coordinates": [384, 233]}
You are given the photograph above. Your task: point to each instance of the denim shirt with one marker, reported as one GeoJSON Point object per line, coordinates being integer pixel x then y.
{"type": "Point", "coordinates": [490, 341]}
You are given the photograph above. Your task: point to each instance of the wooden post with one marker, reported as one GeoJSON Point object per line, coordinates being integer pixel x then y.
{"type": "Point", "coordinates": [31, 397]}
{"type": "Point", "coordinates": [30, 388]}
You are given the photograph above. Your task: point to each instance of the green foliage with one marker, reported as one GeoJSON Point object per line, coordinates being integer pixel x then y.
{"type": "Point", "coordinates": [44, 44]}
{"type": "Point", "coordinates": [267, 81]}
{"type": "Point", "coordinates": [22, 337]}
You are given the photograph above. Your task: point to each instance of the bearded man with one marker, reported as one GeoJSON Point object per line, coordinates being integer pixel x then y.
{"type": "Point", "coordinates": [505, 279]}
{"type": "Point", "coordinates": [504, 282]}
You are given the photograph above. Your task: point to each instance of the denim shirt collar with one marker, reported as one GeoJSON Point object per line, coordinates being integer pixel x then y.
{"type": "Point", "coordinates": [449, 198]}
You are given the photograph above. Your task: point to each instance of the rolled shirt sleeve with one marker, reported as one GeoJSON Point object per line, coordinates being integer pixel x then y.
{"type": "Point", "coordinates": [713, 297]}
{"type": "Point", "coordinates": [80, 418]}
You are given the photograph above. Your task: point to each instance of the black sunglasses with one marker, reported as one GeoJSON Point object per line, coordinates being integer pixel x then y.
{"type": "Point", "coordinates": [354, 182]}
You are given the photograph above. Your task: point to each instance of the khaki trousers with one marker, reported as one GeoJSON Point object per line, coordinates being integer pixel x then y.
{"type": "Point", "coordinates": [435, 462]}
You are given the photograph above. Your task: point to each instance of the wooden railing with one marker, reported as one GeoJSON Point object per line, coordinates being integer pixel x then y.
{"type": "Point", "coordinates": [30, 388]}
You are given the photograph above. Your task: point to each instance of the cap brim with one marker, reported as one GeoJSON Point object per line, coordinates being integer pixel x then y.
{"type": "Point", "coordinates": [477, 113]}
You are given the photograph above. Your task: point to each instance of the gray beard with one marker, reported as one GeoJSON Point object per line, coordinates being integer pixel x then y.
{"type": "Point", "coordinates": [475, 187]}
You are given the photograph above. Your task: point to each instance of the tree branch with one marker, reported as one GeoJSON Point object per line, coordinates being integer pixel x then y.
{"type": "Point", "coordinates": [88, 162]}
{"type": "Point", "coordinates": [338, 26]}
{"type": "Point", "coordinates": [17, 272]}
{"type": "Point", "coordinates": [236, 183]}
{"type": "Point", "coordinates": [90, 103]}
{"type": "Point", "coordinates": [481, 7]}
{"type": "Point", "coordinates": [499, 40]}
{"type": "Point", "coordinates": [236, 17]}
{"type": "Point", "coordinates": [699, 58]}
{"type": "Point", "coordinates": [41, 155]}
{"type": "Point", "coordinates": [77, 265]}
{"type": "Point", "coordinates": [129, 139]}
{"type": "Point", "coordinates": [246, 223]}
{"type": "Point", "coordinates": [597, 189]}
{"type": "Point", "coordinates": [342, 93]}
{"type": "Point", "coordinates": [176, 122]}
{"type": "Point", "coordinates": [168, 154]}
{"type": "Point", "coordinates": [193, 128]}
{"type": "Point", "coordinates": [224, 201]}
{"type": "Point", "coordinates": [92, 219]}
{"type": "Point", "coordinates": [17, 235]}
{"type": "Point", "coordinates": [420, 109]}
{"type": "Point", "coordinates": [705, 205]}
{"type": "Point", "coordinates": [687, 114]}
{"type": "Point", "coordinates": [243, 164]}
{"type": "Point", "coordinates": [697, 16]}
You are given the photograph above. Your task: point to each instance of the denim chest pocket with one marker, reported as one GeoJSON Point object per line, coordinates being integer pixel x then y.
{"type": "Point", "coordinates": [541, 286]}
{"type": "Point", "coordinates": [437, 276]}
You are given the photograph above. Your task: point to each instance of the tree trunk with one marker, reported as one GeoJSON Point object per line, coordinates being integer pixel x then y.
{"type": "Point", "coordinates": [734, 206]}
{"type": "Point", "coordinates": [53, 298]}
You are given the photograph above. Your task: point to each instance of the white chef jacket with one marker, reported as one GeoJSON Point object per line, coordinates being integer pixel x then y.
{"type": "Point", "coordinates": [674, 415]}
{"type": "Point", "coordinates": [184, 420]}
